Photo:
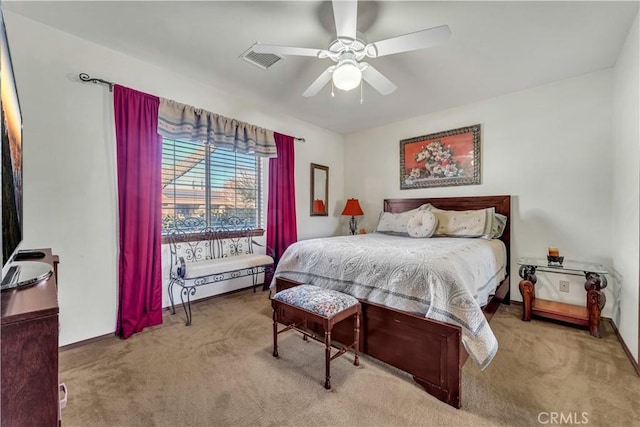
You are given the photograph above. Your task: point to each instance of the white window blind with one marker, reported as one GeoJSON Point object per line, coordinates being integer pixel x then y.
{"type": "Point", "coordinates": [204, 185]}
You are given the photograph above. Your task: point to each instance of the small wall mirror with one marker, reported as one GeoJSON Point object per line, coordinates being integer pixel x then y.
{"type": "Point", "coordinates": [319, 190]}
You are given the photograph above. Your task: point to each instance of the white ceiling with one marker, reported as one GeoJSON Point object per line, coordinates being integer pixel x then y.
{"type": "Point", "coordinates": [495, 48]}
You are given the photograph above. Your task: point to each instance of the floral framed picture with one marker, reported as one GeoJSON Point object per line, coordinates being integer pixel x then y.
{"type": "Point", "coordinates": [441, 159]}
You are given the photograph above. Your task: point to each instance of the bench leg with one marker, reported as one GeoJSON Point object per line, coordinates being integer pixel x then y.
{"type": "Point", "coordinates": [356, 344]}
{"type": "Point", "coordinates": [188, 292]}
{"type": "Point", "coordinates": [254, 278]}
{"type": "Point", "coordinates": [275, 332]}
{"type": "Point", "coordinates": [327, 344]}
{"type": "Point", "coordinates": [170, 290]}
{"type": "Point", "coordinates": [268, 271]}
{"type": "Point", "coordinates": [304, 323]}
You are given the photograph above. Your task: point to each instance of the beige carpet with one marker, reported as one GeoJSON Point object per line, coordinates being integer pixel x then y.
{"type": "Point", "coordinates": [220, 371]}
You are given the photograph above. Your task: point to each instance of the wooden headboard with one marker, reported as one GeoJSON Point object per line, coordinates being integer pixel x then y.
{"type": "Point", "coordinates": [501, 203]}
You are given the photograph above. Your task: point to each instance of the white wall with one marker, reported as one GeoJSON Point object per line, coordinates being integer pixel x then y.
{"type": "Point", "coordinates": [626, 185]}
{"type": "Point", "coordinates": [69, 160]}
{"type": "Point", "coordinates": [549, 147]}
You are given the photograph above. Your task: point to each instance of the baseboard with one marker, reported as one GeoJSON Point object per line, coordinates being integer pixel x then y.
{"type": "Point", "coordinates": [87, 341]}
{"type": "Point", "coordinates": [624, 347]}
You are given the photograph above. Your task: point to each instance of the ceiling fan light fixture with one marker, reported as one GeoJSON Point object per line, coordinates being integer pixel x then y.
{"type": "Point", "coordinates": [347, 76]}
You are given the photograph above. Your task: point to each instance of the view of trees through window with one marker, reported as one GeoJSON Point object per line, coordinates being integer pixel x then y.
{"type": "Point", "coordinates": [206, 184]}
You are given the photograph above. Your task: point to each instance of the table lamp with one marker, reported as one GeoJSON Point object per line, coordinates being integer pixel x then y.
{"type": "Point", "coordinates": [352, 208]}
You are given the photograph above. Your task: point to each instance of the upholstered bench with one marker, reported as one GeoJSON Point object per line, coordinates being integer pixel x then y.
{"type": "Point", "coordinates": [304, 303]}
{"type": "Point", "coordinates": [212, 255]}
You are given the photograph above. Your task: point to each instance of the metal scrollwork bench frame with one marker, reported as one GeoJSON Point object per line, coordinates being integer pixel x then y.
{"type": "Point", "coordinates": [203, 255]}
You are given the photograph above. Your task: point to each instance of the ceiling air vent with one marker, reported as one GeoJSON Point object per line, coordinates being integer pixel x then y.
{"type": "Point", "coordinates": [262, 60]}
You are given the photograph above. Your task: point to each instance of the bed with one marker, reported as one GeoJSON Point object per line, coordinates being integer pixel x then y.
{"type": "Point", "coordinates": [430, 350]}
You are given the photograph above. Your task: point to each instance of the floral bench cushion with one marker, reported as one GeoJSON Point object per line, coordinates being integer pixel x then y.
{"type": "Point", "coordinates": [325, 302]}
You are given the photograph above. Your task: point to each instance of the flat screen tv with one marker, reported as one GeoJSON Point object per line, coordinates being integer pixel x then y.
{"type": "Point", "coordinates": [19, 268]}
{"type": "Point", "coordinates": [11, 155]}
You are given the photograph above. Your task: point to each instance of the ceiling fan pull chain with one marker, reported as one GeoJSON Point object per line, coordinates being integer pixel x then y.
{"type": "Point", "coordinates": [332, 94]}
{"type": "Point", "coordinates": [361, 92]}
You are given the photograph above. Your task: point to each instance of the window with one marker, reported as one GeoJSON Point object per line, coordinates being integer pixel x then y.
{"type": "Point", "coordinates": [205, 184]}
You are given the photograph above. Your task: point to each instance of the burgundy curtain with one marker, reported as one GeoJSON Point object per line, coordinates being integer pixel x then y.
{"type": "Point", "coordinates": [139, 152]}
{"type": "Point", "coordinates": [281, 207]}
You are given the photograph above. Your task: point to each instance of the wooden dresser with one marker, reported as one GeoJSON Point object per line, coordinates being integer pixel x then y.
{"type": "Point", "coordinates": [29, 335]}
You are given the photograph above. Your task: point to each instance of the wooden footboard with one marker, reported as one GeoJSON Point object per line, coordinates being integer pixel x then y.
{"type": "Point", "coordinates": [427, 349]}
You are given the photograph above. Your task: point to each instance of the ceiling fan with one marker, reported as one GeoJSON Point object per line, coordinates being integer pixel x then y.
{"type": "Point", "coordinates": [350, 48]}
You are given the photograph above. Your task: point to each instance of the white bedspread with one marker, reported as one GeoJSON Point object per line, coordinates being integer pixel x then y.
{"type": "Point", "coordinates": [445, 279]}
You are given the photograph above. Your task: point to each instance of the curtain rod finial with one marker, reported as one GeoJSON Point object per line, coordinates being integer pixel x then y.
{"type": "Point", "coordinates": [86, 78]}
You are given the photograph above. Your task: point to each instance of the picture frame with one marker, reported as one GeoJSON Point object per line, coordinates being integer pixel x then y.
{"type": "Point", "coordinates": [319, 190]}
{"type": "Point", "coordinates": [441, 159]}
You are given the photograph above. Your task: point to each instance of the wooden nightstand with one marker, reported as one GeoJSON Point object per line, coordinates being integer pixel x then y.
{"type": "Point", "coordinates": [588, 315]}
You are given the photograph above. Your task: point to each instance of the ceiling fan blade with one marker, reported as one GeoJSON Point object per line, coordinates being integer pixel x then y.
{"type": "Point", "coordinates": [378, 81]}
{"type": "Point", "coordinates": [345, 13]}
{"type": "Point", "coordinates": [289, 50]}
{"type": "Point", "coordinates": [407, 42]}
{"type": "Point", "coordinates": [320, 82]}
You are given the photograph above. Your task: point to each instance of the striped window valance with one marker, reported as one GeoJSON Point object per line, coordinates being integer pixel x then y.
{"type": "Point", "coordinates": [183, 122]}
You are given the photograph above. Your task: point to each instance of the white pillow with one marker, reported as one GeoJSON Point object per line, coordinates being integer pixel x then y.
{"type": "Point", "coordinates": [422, 224]}
{"type": "Point", "coordinates": [394, 223]}
{"type": "Point", "coordinates": [498, 225]}
{"type": "Point", "coordinates": [472, 223]}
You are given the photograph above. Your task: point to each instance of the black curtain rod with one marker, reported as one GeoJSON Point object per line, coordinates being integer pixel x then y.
{"type": "Point", "coordinates": [86, 78]}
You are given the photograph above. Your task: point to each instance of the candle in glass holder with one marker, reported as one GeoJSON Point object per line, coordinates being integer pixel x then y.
{"type": "Point", "coordinates": [554, 251]}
